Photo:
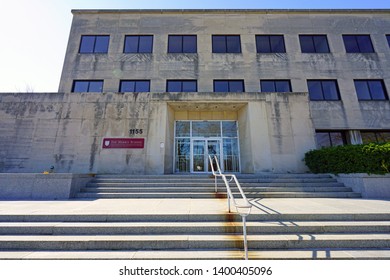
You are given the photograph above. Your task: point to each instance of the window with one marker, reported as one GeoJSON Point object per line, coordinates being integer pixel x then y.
{"type": "Point", "coordinates": [270, 44]}
{"type": "Point", "coordinates": [182, 44]}
{"type": "Point", "coordinates": [375, 136]}
{"type": "Point", "coordinates": [94, 44]}
{"type": "Point", "coordinates": [229, 86]}
{"type": "Point", "coordinates": [323, 90]}
{"type": "Point", "coordinates": [388, 40]}
{"type": "Point", "coordinates": [275, 86]}
{"type": "Point", "coordinates": [314, 43]}
{"type": "Point", "coordinates": [134, 86]}
{"type": "Point", "coordinates": [330, 138]}
{"type": "Point", "coordinates": [181, 86]}
{"type": "Point", "coordinates": [358, 44]}
{"type": "Point", "coordinates": [87, 86]}
{"type": "Point", "coordinates": [226, 44]}
{"type": "Point", "coordinates": [370, 90]}
{"type": "Point", "coordinates": [138, 44]}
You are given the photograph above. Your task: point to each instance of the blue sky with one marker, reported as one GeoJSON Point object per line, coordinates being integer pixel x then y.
{"type": "Point", "coordinates": [35, 32]}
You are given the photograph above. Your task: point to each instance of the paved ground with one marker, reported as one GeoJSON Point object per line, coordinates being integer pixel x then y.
{"type": "Point", "coordinates": [194, 206]}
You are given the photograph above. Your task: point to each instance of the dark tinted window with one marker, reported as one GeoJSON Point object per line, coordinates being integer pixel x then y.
{"type": "Point", "coordinates": [138, 44]}
{"type": "Point", "coordinates": [358, 44]}
{"type": "Point", "coordinates": [370, 90]}
{"type": "Point", "coordinates": [388, 40]}
{"type": "Point", "coordinates": [181, 86]}
{"type": "Point", "coordinates": [270, 44]}
{"type": "Point", "coordinates": [330, 138]}
{"type": "Point", "coordinates": [323, 90]}
{"type": "Point", "coordinates": [229, 86]}
{"type": "Point", "coordinates": [275, 86]}
{"type": "Point", "coordinates": [134, 86]}
{"type": "Point", "coordinates": [314, 43]}
{"type": "Point", "coordinates": [221, 86]}
{"type": "Point", "coordinates": [226, 44]}
{"type": "Point", "coordinates": [88, 86]}
{"type": "Point", "coordinates": [94, 44]}
{"type": "Point", "coordinates": [182, 44]}
{"type": "Point", "coordinates": [375, 136]}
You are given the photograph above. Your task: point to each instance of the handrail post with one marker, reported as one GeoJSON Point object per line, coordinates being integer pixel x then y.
{"type": "Point", "coordinates": [245, 237]}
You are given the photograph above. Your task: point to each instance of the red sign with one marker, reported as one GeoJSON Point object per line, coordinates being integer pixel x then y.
{"type": "Point", "coordinates": [123, 143]}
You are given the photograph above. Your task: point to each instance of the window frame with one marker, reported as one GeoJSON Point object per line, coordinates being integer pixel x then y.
{"type": "Point", "coordinates": [269, 41]}
{"type": "Point", "coordinates": [275, 84]}
{"type": "Point", "coordinates": [138, 43]}
{"type": "Point", "coordinates": [228, 84]}
{"type": "Point", "coordinates": [322, 89]}
{"type": "Point", "coordinates": [213, 47]}
{"type": "Point", "coordinates": [181, 85]}
{"type": "Point", "coordinates": [93, 51]}
{"type": "Point", "coordinates": [313, 38]}
{"type": "Point", "coordinates": [357, 44]}
{"type": "Point", "coordinates": [382, 83]}
{"type": "Point", "coordinates": [88, 87]}
{"type": "Point", "coordinates": [135, 85]}
{"type": "Point", "coordinates": [183, 37]}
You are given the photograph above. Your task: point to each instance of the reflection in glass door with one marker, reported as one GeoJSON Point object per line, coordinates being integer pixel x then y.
{"type": "Point", "coordinates": [214, 149]}
{"type": "Point", "coordinates": [200, 155]}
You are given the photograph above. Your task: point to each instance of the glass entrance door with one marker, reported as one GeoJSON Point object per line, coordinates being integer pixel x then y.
{"type": "Point", "coordinates": [196, 140]}
{"type": "Point", "coordinates": [201, 149]}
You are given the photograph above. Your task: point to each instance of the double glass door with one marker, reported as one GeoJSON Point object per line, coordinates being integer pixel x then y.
{"type": "Point", "coordinates": [201, 150]}
{"type": "Point", "coordinates": [196, 140]}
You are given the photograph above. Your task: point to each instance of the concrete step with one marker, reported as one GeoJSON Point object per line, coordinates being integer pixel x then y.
{"type": "Point", "coordinates": [212, 195]}
{"type": "Point", "coordinates": [184, 176]}
{"type": "Point", "coordinates": [288, 254]}
{"type": "Point", "coordinates": [211, 189]}
{"type": "Point", "coordinates": [138, 228]}
{"type": "Point", "coordinates": [178, 242]}
{"type": "Point", "coordinates": [267, 185]}
{"type": "Point", "coordinates": [194, 184]}
{"type": "Point", "coordinates": [211, 180]}
{"type": "Point", "coordinates": [173, 218]}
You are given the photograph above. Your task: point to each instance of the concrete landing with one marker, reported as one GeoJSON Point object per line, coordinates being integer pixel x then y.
{"type": "Point", "coordinates": [194, 206]}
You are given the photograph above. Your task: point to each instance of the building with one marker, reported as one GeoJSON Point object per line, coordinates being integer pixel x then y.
{"type": "Point", "coordinates": [157, 91]}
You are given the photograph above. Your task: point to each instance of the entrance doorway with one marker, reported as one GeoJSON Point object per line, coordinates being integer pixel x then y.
{"type": "Point", "coordinates": [196, 140]}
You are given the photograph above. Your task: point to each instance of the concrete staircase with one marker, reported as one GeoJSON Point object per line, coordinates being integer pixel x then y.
{"type": "Point", "coordinates": [202, 186]}
{"type": "Point", "coordinates": [209, 236]}
{"type": "Point", "coordinates": [164, 221]}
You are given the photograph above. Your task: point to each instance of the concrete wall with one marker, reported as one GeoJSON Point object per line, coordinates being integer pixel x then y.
{"type": "Point", "coordinates": [370, 186]}
{"type": "Point", "coordinates": [39, 130]}
{"type": "Point", "coordinates": [24, 186]}
{"type": "Point", "coordinates": [204, 66]}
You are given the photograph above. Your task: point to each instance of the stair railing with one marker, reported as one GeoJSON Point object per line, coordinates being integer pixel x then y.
{"type": "Point", "coordinates": [243, 208]}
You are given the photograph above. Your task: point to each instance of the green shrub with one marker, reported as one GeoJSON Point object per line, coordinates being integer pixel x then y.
{"type": "Point", "coordinates": [369, 158]}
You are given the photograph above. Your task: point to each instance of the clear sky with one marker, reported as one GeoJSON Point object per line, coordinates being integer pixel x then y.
{"type": "Point", "coordinates": [34, 33]}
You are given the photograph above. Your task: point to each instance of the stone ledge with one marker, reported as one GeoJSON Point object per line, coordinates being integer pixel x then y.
{"type": "Point", "coordinates": [37, 186]}
{"type": "Point", "coordinates": [370, 186]}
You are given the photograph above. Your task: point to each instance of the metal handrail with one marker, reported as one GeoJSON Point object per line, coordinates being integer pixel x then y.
{"type": "Point", "coordinates": [243, 209]}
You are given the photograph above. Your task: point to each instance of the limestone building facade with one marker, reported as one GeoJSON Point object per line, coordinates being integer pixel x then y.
{"type": "Point", "coordinates": [158, 91]}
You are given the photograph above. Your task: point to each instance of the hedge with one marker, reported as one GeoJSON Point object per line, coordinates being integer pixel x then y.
{"type": "Point", "coordinates": [369, 158]}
